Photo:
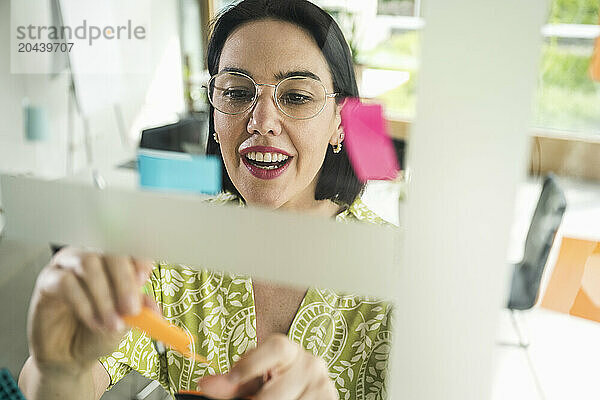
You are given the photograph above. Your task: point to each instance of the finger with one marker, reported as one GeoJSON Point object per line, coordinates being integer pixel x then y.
{"type": "Point", "coordinates": [121, 275]}
{"type": "Point", "coordinates": [90, 270]}
{"type": "Point", "coordinates": [143, 268]}
{"type": "Point", "coordinates": [249, 388]}
{"type": "Point", "coordinates": [276, 353]}
{"type": "Point", "coordinates": [295, 380]}
{"type": "Point", "coordinates": [96, 281]}
{"type": "Point", "coordinates": [78, 300]}
{"type": "Point", "coordinates": [63, 251]}
{"type": "Point", "coordinates": [323, 389]}
{"type": "Point", "coordinates": [220, 387]}
{"type": "Point", "coordinates": [149, 302]}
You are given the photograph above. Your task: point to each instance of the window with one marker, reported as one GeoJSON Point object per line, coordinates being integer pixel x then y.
{"type": "Point", "coordinates": [384, 39]}
{"type": "Point", "coordinates": [221, 4]}
{"type": "Point", "coordinates": [567, 99]}
{"type": "Point", "coordinates": [407, 8]}
{"type": "Point", "coordinates": [384, 36]}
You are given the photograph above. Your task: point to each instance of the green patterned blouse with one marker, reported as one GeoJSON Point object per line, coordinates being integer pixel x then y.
{"type": "Point", "coordinates": [351, 333]}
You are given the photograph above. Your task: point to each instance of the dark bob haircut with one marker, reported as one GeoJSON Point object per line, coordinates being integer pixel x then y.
{"type": "Point", "coordinates": [337, 181]}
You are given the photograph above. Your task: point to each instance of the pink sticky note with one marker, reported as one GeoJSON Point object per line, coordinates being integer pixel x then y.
{"type": "Point", "coordinates": [369, 147]}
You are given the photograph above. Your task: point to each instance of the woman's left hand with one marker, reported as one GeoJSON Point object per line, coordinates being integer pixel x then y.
{"type": "Point", "coordinates": [276, 369]}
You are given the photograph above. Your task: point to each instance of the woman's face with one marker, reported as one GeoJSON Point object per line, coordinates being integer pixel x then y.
{"type": "Point", "coordinates": [268, 50]}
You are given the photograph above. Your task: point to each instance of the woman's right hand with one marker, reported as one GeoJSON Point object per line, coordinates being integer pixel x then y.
{"type": "Point", "coordinates": [77, 305]}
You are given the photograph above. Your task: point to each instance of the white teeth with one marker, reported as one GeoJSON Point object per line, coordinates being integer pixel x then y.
{"type": "Point", "coordinates": [266, 157]}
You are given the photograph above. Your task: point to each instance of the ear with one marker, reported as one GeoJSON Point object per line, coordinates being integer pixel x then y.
{"type": "Point", "coordinates": [335, 137]}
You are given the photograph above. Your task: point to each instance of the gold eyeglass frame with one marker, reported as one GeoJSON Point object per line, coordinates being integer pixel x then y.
{"type": "Point", "coordinates": [275, 87]}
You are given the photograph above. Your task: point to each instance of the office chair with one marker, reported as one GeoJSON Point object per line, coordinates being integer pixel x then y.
{"type": "Point", "coordinates": [527, 274]}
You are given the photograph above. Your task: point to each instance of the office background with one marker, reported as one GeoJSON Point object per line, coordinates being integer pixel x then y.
{"type": "Point", "coordinates": [564, 139]}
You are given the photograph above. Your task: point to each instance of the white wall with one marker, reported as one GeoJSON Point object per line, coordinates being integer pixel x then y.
{"type": "Point", "coordinates": [147, 100]}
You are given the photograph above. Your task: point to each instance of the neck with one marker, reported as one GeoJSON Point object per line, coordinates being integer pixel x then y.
{"type": "Point", "coordinates": [325, 208]}
{"type": "Point", "coordinates": [305, 203]}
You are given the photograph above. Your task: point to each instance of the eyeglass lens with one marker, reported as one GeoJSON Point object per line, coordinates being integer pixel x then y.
{"type": "Point", "coordinates": [297, 97]}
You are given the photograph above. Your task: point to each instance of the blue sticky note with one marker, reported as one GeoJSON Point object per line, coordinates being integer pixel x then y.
{"type": "Point", "coordinates": [165, 170]}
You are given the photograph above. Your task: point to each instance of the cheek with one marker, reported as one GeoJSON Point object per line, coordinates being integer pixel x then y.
{"type": "Point", "coordinates": [231, 133]}
{"type": "Point", "coordinates": [228, 127]}
{"type": "Point", "coordinates": [312, 144]}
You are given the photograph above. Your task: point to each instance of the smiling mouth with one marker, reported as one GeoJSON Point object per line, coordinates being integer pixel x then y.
{"type": "Point", "coordinates": [267, 161]}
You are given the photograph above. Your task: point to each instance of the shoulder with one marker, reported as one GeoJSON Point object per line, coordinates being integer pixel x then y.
{"type": "Point", "coordinates": [226, 198]}
{"type": "Point", "coordinates": [358, 211]}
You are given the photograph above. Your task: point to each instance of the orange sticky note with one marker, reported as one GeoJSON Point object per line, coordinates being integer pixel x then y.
{"type": "Point", "coordinates": [574, 286]}
{"type": "Point", "coordinates": [160, 329]}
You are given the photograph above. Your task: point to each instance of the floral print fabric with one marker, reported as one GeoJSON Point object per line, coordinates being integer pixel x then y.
{"type": "Point", "coordinates": [352, 334]}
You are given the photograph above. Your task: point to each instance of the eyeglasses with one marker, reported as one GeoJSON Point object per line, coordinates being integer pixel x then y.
{"type": "Point", "coordinates": [298, 97]}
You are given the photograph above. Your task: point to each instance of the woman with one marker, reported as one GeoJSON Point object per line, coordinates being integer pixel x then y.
{"type": "Point", "coordinates": [280, 72]}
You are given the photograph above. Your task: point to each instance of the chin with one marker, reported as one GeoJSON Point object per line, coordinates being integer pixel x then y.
{"type": "Point", "coordinates": [259, 195]}
{"type": "Point", "coordinates": [263, 199]}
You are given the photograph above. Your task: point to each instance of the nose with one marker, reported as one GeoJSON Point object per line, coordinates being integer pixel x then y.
{"type": "Point", "coordinates": [265, 116]}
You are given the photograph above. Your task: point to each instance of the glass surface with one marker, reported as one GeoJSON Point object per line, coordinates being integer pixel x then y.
{"type": "Point", "coordinates": [574, 12]}
{"type": "Point", "coordinates": [567, 98]}
{"type": "Point", "coordinates": [386, 54]}
{"type": "Point", "coordinates": [221, 4]}
{"type": "Point", "coordinates": [384, 40]}
{"type": "Point", "coordinates": [392, 65]}
{"type": "Point", "coordinates": [396, 7]}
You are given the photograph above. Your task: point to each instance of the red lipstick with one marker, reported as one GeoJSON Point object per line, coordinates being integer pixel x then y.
{"type": "Point", "coordinates": [262, 173]}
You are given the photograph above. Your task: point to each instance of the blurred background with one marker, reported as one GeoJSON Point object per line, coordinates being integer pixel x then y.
{"type": "Point", "coordinates": [384, 38]}
{"type": "Point", "coordinates": [90, 126]}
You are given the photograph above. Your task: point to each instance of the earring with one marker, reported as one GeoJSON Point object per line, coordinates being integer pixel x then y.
{"type": "Point", "coordinates": [216, 137]}
{"type": "Point", "coordinates": [337, 148]}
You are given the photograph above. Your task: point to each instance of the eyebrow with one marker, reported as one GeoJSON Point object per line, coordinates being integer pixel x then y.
{"type": "Point", "coordinates": [235, 69]}
{"type": "Point", "coordinates": [278, 76]}
{"type": "Point", "coordinates": [304, 72]}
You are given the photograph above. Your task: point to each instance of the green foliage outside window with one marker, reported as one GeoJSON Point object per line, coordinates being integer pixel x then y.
{"type": "Point", "coordinates": [401, 52]}
{"type": "Point", "coordinates": [574, 12]}
{"type": "Point", "coordinates": [566, 99]}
